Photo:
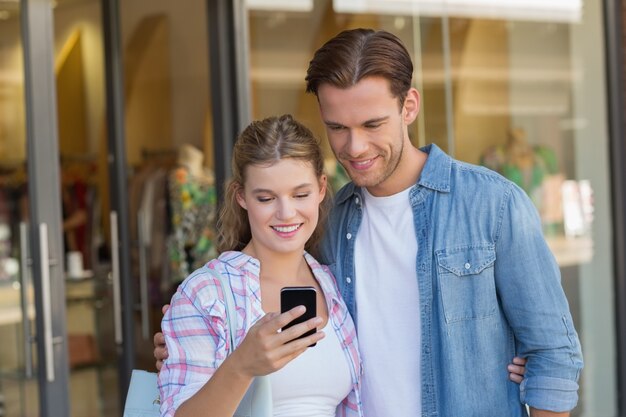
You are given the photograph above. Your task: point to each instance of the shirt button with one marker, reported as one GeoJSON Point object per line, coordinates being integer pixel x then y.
{"type": "Point", "coordinates": [348, 280]}
{"type": "Point", "coordinates": [467, 265]}
{"type": "Point", "coordinates": [349, 236]}
{"type": "Point", "coordinates": [356, 200]}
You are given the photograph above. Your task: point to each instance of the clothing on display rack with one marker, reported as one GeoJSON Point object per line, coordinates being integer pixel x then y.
{"type": "Point", "coordinates": [193, 205]}
{"type": "Point", "coordinates": [535, 169]}
{"type": "Point", "coordinates": [13, 210]}
{"type": "Point", "coordinates": [149, 220]}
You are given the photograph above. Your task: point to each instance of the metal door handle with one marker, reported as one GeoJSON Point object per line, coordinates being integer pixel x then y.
{"type": "Point", "coordinates": [24, 285]}
{"type": "Point", "coordinates": [115, 266]}
{"type": "Point", "coordinates": [48, 338]}
{"type": "Point", "coordinates": [143, 276]}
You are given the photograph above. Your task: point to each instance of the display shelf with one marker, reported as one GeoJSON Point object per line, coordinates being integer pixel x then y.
{"type": "Point", "coordinates": [571, 251]}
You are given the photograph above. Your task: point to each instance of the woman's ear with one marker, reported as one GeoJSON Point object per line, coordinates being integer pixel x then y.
{"type": "Point", "coordinates": [323, 185]}
{"type": "Point", "coordinates": [240, 198]}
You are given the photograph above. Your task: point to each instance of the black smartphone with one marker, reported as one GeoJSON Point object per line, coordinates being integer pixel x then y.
{"type": "Point", "coordinates": [291, 297]}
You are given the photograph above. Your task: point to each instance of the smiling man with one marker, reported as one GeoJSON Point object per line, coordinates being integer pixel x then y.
{"type": "Point", "coordinates": [442, 264]}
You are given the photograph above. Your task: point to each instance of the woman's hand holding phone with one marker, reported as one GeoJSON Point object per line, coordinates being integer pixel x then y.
{"type": "Point", "coordinates": [265, 350]}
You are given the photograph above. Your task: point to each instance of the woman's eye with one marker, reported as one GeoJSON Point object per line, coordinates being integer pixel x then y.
{"type": "Point", "coordinates": [302, 195]}
{"type": "Point", "coordinates": [264, 199]}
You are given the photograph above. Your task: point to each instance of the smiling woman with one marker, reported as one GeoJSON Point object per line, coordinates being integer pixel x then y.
{"type": "Point", "coordinates": [282, 214]}
{"type": "Point", "coordinates": [275, 207]}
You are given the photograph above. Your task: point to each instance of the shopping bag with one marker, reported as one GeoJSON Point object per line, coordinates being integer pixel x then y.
{"type": "Point", "coordinates": [258, 400]}
{"type": "Point", "coordinates": [142, 399]}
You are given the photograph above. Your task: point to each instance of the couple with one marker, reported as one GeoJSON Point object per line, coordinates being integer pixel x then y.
{"type": "Point", "coordinates": [441, 264]}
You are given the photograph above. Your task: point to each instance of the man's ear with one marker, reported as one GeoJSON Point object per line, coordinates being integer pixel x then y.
{"type": "Point", "coordinates": [411, 107]}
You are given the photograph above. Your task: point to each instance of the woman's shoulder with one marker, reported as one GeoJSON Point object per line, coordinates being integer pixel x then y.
{"type": "Point", "coordinates": [203, 282]}
{"type": "Point", "coordinates": [323, 273]}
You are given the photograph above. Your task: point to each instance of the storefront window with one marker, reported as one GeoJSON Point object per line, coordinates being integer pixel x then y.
{"type": "Point", "coordinates": [169, 150]}
{"type": "Point", "coordinates": [516, 88]}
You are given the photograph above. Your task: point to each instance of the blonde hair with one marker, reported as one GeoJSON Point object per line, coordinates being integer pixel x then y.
{"type": "Point", "coordinates": [263, 143]}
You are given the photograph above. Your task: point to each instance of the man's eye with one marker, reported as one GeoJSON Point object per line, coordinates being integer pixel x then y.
{"type": "Point", "coordinates": [335, 127]}
{"type": "Point", "coordinates": [376, 126]}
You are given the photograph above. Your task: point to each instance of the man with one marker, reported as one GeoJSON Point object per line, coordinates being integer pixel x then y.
{"type": "Point", "coordinates": [442, 264]}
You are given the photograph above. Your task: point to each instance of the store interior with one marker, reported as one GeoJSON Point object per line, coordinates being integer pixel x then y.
{"type": "Point", "coordinates": [523, 96]}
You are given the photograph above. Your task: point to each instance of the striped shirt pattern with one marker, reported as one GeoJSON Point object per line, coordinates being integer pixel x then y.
{"type": "Point", "coordinates": [197, 337]}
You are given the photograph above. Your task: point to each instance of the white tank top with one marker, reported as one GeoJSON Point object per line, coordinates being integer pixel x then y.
{"type": "Point", "coordinates": [314, 383]}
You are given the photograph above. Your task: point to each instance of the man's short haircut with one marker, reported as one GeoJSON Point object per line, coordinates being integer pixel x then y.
{"type": "Point", "coordinates": [358, 53]}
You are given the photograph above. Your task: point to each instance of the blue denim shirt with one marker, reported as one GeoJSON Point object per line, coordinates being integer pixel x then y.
{"type": "Point", "coordinates": [489, 290]}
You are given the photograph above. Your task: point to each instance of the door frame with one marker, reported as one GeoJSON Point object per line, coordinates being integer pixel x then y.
{"type": "Point", "coordinates": [45, 212]}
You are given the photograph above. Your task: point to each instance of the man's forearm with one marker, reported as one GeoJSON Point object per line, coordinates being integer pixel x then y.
{"type": "Point", "coordinates": [543, 413]}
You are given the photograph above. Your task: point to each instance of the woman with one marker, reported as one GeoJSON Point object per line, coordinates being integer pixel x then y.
{"type": "Point", "coordinates": [271, 221]}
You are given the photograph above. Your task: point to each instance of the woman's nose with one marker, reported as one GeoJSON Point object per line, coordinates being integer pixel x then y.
{"type": "Point", "coordinates": [286, 210]}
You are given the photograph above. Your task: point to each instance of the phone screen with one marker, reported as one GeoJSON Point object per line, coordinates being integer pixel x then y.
{"type": "Point", "coordinates": [291, 297]}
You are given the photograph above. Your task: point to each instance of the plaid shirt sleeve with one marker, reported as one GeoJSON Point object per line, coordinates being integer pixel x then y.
{"type": "Point", "coordinates": [195, 335]}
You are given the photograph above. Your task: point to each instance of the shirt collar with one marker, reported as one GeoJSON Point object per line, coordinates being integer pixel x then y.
{"type": "Point", "coordinates": [326, 282]}
{"type": "Point", "coordinates": [435, 174]}
{"type": "Point", "coordinates": [252, 269]}
{"type": "Point", "coordinates": [437, 169]}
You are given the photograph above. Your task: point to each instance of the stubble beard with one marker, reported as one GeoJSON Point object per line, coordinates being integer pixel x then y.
{"type": "Point", "coordinates": [377, 178]}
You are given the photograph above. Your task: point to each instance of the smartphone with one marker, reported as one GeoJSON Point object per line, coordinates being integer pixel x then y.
{"type": "Point", "coordinates": [291, 297]}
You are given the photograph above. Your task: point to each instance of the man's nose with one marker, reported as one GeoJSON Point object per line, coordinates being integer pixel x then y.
{"type": "Point", "coordinates": [357, 143]}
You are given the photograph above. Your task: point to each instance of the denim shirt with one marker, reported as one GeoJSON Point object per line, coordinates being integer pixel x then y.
{"type": "Point", "coordinates": [489, 290]}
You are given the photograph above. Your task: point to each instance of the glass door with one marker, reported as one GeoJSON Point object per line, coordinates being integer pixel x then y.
{"type": "Point", "coordinates": [17, 308]}
{"type": "Point", "coordinates": [33, 368]}
{"type": "Point", "coordinates": [79, 74]}
{"type": "Point", "coordinates": [169, 154]}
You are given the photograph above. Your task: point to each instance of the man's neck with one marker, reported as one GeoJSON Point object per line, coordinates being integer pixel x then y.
{"type": "Point", "coordinates": [404, 176]}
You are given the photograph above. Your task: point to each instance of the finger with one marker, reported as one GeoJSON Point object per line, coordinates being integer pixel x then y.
{"type": "Point", "coordinates": [165, 308]}
{"type": "Point", "coordinates": [516, 378]}
{"type": "Point", "coordinates": [298, 330]}
{"type": "Point", "coordinates": [159, 365]}
{"type": "Point", "coordinates": [279, 321]}
{"type": "Point", "coordinates": [159, 339]}
{"type": "Point", "coordinates": [266, 318]}
{"type": "Point", "coordinates": [288, 352]}
{"type": "Point", "coordinates": [161, 353]}
{"type": "Point", "coordinates": [516, 369]}
{"type": "Point", "coordinates": [519, 361]}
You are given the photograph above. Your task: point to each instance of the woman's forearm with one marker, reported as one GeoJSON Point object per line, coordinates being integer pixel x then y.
{"type": "Point", "coordinates": [220, 396]}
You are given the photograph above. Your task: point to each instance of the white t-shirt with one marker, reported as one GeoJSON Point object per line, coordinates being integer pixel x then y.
{"type": "Point", "coordinates": [388, 307]}
{"type": "Point", "coordinates": [315, 383]}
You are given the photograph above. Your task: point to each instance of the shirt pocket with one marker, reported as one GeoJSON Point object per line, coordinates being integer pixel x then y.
{"type": "Point", "coordinates": [466, 282]}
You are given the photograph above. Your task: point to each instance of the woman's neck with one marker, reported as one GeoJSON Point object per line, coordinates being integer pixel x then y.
{"type": "Point", "coordinates": [282, 268]}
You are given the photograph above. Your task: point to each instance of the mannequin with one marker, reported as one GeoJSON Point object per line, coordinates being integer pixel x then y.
{"type": "Point", "coordinates": [193, 207]}
{"type": "Point", "coordinates": [192, 159]}
{"type": "Point", "coordinates": [535, 169]}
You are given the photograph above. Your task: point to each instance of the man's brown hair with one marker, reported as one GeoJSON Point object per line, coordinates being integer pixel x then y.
{"type": "Point", "coordinates": [358, 53]}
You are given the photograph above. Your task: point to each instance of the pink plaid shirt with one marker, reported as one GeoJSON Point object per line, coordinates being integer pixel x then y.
{"type": "Point", "coordinates": [196, 333]}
